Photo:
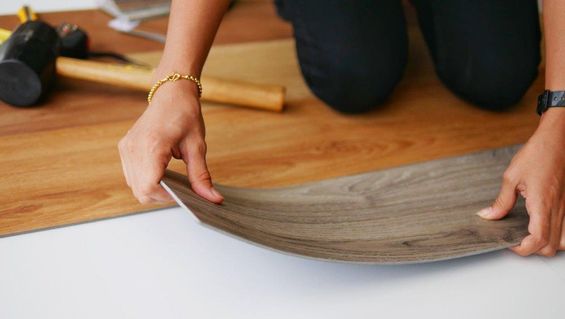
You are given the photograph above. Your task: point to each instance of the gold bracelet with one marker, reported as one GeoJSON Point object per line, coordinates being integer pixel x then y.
{"type": "Point", "coordinates": [172, 78]}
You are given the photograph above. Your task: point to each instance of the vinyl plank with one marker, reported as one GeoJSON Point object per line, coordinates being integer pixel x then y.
{"type": "Point", "coordinates": [414, 213]}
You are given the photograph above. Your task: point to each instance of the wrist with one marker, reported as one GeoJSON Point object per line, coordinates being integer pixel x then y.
{"type": "Point", "coordinates": [177, 95]}
{"type": "Point", "coordinates": [553, 118]}
{"type": "Point", "coordinates": [176, 85]}
{"type": "Point", "coordinates": [554, 113]}
{"type": "Point", "coordinates": [184, 66]}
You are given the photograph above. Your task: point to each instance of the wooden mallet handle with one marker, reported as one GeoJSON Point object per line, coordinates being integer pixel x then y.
{"type": "Point", "coordinates": [257, 96]}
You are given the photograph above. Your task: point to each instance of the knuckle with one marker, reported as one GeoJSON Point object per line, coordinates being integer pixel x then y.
{"type": "Point", "coordinates": [499, 201]}
{"type": "Point", "coordinates": [521, 252]}
{"type": "Point", "coordinates": [508, 177]}
{"type": "Point", "coordinates": [204, 176]}
{"type": "Point", "coordinates": [123, 144]}
{"type": "Point", "coordinates": [544, 241]}
{"type": "Point", "coordinates": [525, 253]}
{"type": "Point", "coordinates": [200, 146]}
{"type": "Point", "coordinates": [547, 252]}
{"type": "Point", "coordinates": [144, 199]}
{"type": "Point", "coordinates": [146, 189]}
{"type": "Point", "coordinates": [541, 240]}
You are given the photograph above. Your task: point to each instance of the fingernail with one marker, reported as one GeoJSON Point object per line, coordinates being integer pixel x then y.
{"type": "Point", "coordinates": [485, 212]}
{"type": "Point", "coordinates": [216, 193]}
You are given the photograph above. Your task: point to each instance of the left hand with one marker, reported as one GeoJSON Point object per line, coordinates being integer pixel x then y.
{"type": "Point", "coordinates": [537, 172]}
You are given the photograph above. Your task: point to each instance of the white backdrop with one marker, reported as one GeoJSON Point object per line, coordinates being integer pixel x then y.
{"type": "Point", "coordinates": [164, 264]}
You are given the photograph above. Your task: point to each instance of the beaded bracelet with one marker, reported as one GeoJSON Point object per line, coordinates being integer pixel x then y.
{"type": "Point", "coordinates": [172, 78]}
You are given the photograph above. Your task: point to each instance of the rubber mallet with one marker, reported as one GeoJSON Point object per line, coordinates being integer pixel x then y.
{"type": "Point", "coordinates": [29, 61]}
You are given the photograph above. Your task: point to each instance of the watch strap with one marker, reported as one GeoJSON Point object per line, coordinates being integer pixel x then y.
{"type": "Point", "coordinates": [550, 99]}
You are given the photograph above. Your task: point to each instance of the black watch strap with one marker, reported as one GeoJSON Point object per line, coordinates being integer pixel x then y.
{"type": "Point", "coordinates": [550, 99]}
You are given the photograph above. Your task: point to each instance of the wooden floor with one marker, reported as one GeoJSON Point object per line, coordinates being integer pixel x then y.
{"type": "Point", "coordinates": [60, 164]}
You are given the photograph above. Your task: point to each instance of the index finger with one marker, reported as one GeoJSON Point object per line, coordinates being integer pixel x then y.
{"type": "Point", "coordinates": [149, 171]}
{"type": "Point", "coordinates": [538, 228]}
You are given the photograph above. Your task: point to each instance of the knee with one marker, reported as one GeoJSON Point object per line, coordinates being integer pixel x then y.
{"type": "Point", "coordinates": [355, 86]}
{"type": "Point", "coordinates": [282, 10]}
{"type": "Point", "coordinates": [491, 83]}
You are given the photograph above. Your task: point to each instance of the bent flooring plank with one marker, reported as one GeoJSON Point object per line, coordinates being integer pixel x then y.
{"type": "Point", "coordinates": [415, 213]}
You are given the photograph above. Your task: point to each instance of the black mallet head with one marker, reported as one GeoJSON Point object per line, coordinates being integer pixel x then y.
{"type": "Point", "coordinates": [27, 63]}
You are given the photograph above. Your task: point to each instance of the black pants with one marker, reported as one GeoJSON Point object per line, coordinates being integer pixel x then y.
{"type": "Point", "coordinates": [352, 53]}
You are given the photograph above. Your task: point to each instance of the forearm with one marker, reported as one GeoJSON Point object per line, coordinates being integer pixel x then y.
{"type": "Point", "coordinates": [191, 31]}
{"type": "Point", "coordinates": [554, 28]}
{"type": "Point", "coordinates": [554, 31]}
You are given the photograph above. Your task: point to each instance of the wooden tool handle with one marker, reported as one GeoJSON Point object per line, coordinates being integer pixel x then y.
{"type": "Point", "coordinates": [258, 96]}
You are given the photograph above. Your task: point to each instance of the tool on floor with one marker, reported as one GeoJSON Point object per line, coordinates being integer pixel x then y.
{"type": "Point", "coordinates": [25, 14]}
{"type": "Point", "coordinates": [130, 27]}
{"type": "Point", "coordinates": [29, 60]}
{"type": "Point", "coordinates": [4, 35]}
{"type": "Point", "coordinates": [75, 43]}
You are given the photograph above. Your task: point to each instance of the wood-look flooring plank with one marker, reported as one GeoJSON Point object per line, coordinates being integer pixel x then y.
{"type": "Point", "coordinates": [416, 213]}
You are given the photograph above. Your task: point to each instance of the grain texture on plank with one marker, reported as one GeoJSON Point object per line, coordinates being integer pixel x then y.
{"type": "Point", "coordinates": [415, 213]}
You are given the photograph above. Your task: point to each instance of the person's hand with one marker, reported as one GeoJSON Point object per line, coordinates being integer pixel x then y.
{"type": "Point", "coordinates": [171, 126]}
{"type": "Point", "coordinates": [537, 173]}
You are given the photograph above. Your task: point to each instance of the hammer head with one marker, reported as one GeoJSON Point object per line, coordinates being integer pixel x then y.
{"type": "Point", "coordinates": [27, 63]}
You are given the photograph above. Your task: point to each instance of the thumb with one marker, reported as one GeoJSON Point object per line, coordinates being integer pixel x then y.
{"type": "Point", "coordinates": [503, 203]}
{"type": "Point", "coordinates": [198, 174]}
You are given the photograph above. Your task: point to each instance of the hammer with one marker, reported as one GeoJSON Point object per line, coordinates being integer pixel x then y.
{"type": "Point", "coordinates": [29, 61]}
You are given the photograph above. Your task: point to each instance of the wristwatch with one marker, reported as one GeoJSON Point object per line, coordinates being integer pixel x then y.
{"type": "Point", "coordinates": [550, 99]}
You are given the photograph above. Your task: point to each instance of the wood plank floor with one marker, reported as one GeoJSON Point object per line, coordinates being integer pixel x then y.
{"type": "Point", "coordinates": [60, 164]}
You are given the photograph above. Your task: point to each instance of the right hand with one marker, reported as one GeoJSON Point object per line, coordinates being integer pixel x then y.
{"type": "Point", "coordinates": [171, 126]}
